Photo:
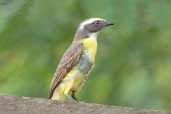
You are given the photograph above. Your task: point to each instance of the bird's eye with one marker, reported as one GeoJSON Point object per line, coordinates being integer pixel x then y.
{"type": "Point", "coordinates": [96, 22]}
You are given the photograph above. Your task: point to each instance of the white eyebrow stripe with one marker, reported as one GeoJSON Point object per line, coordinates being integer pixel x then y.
{"type": "Point", "coordinates": [88, 21]}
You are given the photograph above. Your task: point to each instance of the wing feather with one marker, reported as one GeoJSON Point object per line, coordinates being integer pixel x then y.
{"type": "Point", "coordinates": [69, 59]}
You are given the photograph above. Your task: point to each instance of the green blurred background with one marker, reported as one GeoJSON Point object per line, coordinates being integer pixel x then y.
{"type": "Point", "coordinates": [133, 66]}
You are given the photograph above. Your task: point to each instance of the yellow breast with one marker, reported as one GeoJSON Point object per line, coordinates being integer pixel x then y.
{"type": "Point", "coordinates": [75, 78]}
{"type": "Point", "coordinates": [90, 46]}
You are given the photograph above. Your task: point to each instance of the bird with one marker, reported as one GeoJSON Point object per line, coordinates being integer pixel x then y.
{"type": "Point", "coordinates": [78, 60]}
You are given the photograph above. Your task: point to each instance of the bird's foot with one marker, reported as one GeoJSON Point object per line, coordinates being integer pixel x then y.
{"type": "Point", "coordinates": [71, 98]}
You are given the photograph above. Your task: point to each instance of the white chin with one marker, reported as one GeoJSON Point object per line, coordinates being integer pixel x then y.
{"type": "Point", "coordinates": [93, 35]}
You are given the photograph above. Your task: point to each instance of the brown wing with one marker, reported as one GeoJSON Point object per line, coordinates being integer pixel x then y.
{"type": "Point", "coordinates": [69, 59]}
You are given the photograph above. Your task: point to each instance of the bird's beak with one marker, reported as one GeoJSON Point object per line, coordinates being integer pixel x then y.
{"type": "Point", "coordinates": [108, 24]}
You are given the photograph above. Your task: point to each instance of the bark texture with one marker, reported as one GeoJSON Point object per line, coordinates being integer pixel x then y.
{"type": "Point", "coordinates": [27, 105]}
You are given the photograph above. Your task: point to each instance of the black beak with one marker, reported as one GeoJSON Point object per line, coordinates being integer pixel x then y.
{"type": "Point", "coordinates": [108, 24]}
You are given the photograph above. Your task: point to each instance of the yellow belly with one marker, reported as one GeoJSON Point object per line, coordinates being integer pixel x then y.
{"type": "Point", "coordinates": [75, 78]}
{"type": "Point", "coordinates": [72, 82]}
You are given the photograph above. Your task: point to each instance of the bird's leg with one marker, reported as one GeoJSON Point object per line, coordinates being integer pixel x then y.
{"type": "Point", "coordinates": [70, 96]}
{"type": "Point", "coordinates": [73, 96]}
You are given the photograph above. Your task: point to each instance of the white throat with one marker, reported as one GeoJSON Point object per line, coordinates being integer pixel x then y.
{"type": "Point", "coordinates": [93, 36]}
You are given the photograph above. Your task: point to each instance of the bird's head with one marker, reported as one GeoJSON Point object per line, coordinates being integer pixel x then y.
{"type": "Point", "coordinates": [91, 26]}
